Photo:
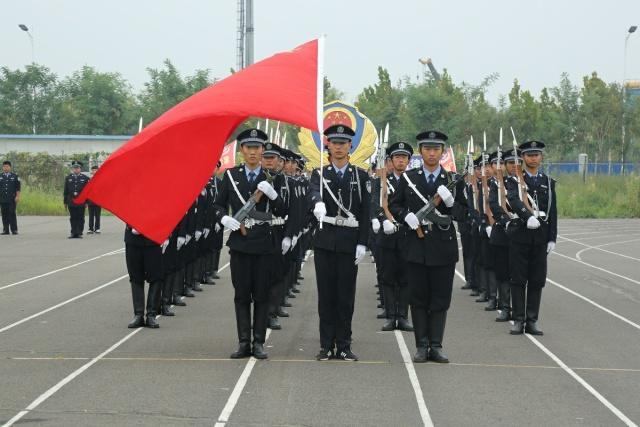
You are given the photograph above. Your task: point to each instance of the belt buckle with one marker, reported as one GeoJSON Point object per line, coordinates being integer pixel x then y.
{"type": "Point", "coordinates": [340, 221]}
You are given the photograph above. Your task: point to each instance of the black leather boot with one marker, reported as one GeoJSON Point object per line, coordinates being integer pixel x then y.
{"type": "Point", "coordinates": [492, 290]}
{"type": "Point", "coordinates": [492, 305]}
{"type": "Point", "coordinates": [216, 264]}
{"type": "Point", "coordinates": [137, 296]}
{"type": "Point", "coordinates": [165, 304]}
{"type": "Point", "coordinates": [281, 312]}
{"type": "Point", "coordinates": [390, 304]}
{"type": "Point", "coordinates": [243, 324]}
{"type": "Point", "coordinates": [420, 330]}
{"type": "Point", "coordinates": [274, 323]}
{"type": "Point", "coordinates": [503, 316]}
{"type": "Point", "coordinates": [437, 321]}
{"type": "Point", "coordinates": [153, 303]}
{"type": "Point", "coordinates": [534, 296]}
{"type": "Point", "coordinates": [382, 314]}
{"type": "Point", "coordinates": [403, 310]}
{"type": "Point", "coordinates": [260, 318]}
{"type": "Point", "coordinates": [504, 301]}
{"type": "Point", "coordinates": [517, 299]}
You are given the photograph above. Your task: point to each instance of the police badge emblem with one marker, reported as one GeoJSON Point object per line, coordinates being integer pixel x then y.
{"type": "Point", "coordinates": [432, 135]}
{"type": "Point", "coordinates": [254, 133]}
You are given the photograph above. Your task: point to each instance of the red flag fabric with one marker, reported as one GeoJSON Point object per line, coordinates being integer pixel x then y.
{"type": "Point", "coordinates": [448, 161]}
{"type": "Point", "coordinates": [151, 181]}
{"type": "Point", "coordinates": [228, 157]}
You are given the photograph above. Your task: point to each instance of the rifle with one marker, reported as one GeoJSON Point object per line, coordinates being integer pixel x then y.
{"type": "Point", "coordinates": [428, 210]}
{"type": "Point", "coordinates": [502, 197]}
{"type": "Point", "coordinates": [485, 183]}
{"type": "Point", "coordinates": [382, 174]}
{"type": "Point", "coordinates": [522, 186]}
{"type": "Point", "coordinates": [473, 181]}
{"type": "Point", "coordinates": [249, 206]}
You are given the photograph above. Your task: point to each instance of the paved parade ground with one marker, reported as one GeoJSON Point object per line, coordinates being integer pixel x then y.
{"type": "Point", "coordinates": [67, 357]}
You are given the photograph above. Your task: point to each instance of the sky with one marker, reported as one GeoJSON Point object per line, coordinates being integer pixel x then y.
{"type": "Point", "coordinates": [533, 41]}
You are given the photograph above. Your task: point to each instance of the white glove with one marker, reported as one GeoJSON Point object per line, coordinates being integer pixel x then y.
{"type": "Point", "coordinates": [445, 195]}
{"type": "Point", "coordinates": [488, 230]}
{"type": "Point", "coordinates": [375, 224]}
{"type": "Point", "coordinates": [206, 232]}
{"type": "Point", "coordinates": [320, 210]}
{"type": "Point", "coordinates": [294, 242]}
{"type": "Point", "coordinates": [268, 190]}
{"type": "Point", "coordinates": [230, 222]}
{"type": "Point", "coordinates": [187, 239]}
{"type": "Point", "coordinates": [286, 245]}
{"type": "Point", "coordinates": [533, 223]}
{"type": "Point", "coordinates": [412, 221]}
{"type": "Point", "coordinates": [361, 250]}
{"type": "Point", "coordinates": [388, 227]}
{"type": "Point", "coordinates": [180, 242]}
{"type": "Point", "coordinates": [198, 235]}
{"type": "Point", "coordinates": [217, 227]}
{"type": "Point", "coordinates": [164, 245]}
{"type": "Point", "coordinates": [550, 247]}
{"type": "Point", "coordinates": [203, 192]}
{"type": "Point", "coordinates": [134, 231]}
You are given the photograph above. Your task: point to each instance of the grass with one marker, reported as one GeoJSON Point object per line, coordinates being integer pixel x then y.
{"type": "Point", "coordinates": [600, 196]}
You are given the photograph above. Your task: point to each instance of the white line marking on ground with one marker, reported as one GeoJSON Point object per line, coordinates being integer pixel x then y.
{"type": "Point", "coordinates": [596, 267]}
{"type": "Point", "coordinates": [61, 269]}
{"type": "Point", "coordinates": [47, 394]}
{"type": "Point", "coordinates": [237, 390]}
{"type": "Point", "coordinates": [413, 377]}
{"type": "Point", "coordinates": [33, 316]}
{"type": "Point", "coordinates": [596, 247]}
{"type": "Point", "coordinates": [608, 236]}
{"type": "Point", "coordinates": [618, 413]}
{"type": "Point", "coordinates": [575, 376]}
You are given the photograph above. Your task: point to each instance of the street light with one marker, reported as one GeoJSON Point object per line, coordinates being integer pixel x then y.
{"type": "Point", "coordinates": [33, 62]}
{"type": "Point", "coordinates": [632, 29]}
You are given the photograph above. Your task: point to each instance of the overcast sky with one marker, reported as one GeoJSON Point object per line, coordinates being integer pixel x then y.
{"type": "Point", "coordinates": [534, 41]}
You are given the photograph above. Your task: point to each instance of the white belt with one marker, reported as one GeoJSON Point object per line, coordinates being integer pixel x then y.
{"type": "Point", "coordinates": [250, 222]}
{"type": "Point", "coordinates": [341, 221]}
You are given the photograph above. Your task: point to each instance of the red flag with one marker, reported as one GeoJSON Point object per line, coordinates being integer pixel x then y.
{"type": "Point", "coordinates": [228, 157]}
{"type": "Point", "coordinates": [448, 162]}
{"type": "Point", "coordinates": [151, 181]}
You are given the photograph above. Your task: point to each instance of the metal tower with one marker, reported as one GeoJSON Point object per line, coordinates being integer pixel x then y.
{"type": "Point", "coordinates": [244, 39]}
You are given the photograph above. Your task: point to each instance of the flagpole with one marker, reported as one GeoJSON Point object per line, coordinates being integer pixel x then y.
{"type": "Point", "coordinates": [320, 111]}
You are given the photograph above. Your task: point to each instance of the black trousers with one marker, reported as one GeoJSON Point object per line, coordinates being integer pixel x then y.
{"type": "Point", "coordinates": [9, 219]}
{"type": "Point", "coordinates": [248, 277]}
{"type": "Point", "coordinates": [94, 217]}
{"type": "Point", "coordinates": [336, 276]}
{"type": "Point", "coordinates": [394, 268]}
{"type": "Point", "coordinates": [144, 263]}
{"type": "Point", "coordinates": [528, 264]}
{"type": "Point", "coordinates": [430, 287]}
{"type": "Point", "coordinates": [76, 219]}
{"type": "Point", "coordinates": [468, 258]}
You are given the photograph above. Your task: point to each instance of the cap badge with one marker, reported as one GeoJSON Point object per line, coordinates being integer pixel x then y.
{"type": "Point", "coordinates": [340, 129]}
{"type": "Point", "coordinates": [432, 135]}
{"type": "Point", "coordinates": [254, 133]}
{"type": "Point", "coordinates": [534, 144]}
{"type": "Point", "coordinates": [401, 145]}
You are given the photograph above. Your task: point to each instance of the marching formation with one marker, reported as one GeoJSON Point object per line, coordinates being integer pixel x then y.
{"type": "Point", "coordinates": [504, 207]}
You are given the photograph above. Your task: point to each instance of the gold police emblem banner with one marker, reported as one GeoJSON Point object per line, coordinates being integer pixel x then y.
{"type": "Point", "coordinates": [339, 113]}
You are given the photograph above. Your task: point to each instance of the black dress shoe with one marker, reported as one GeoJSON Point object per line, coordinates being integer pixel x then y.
{"type": "Point", "coordinates": [380, 305]}
{"type": "Point", "coordinates": [291, 294]}
{"type": "Point", "coordinates": [517, 328]}
{"type": "Point", "coordinates": [474, 293]}
{"type": "Point", "coordinates": [382, 314]}
{"type": "Point", "coordinates": [152, 322]}
{"type": "Point", "coordinates": [492, 306]}
{"type": "Point", "coordinates": [137, 322]}
{"type": "Point", "coordinates": [208, 280]}
{"type": "Point", "coordinates": [258, 351]}
{"type": "Point", "coordinates": [282, 312]}
{"type": "Point", "coordinates": [244, 350]}
{"type": "Point", "coordinates": [295, 290]}
{"type": "Point", "coordinates": [286, 303]}
{"type": "Point", "coordinates": [503, 316]}
{"type": "Point", "coordinates": [324, 354]}
{"type": "Point", "coordinates": [274, 323]}
{"type": "Point", "coordinates": [465, 287]}
{"type": "Point", "coordinates": [215, 276]}
{"type": "Point", "coordinates": [15, 233]}
{"type": "Point", "coordinates": [532, 329]}
{"type": "Point", "coordinates": [347, 355]}
{"type": "Point", "coordinates": [196, 287]}
{"type": "Point", "coordinates": [177, 300]}
{"type": "Point", "coordinates": [436, 354]}
{"type": "Point", "coordinates": [404, 325]}
{"type": "Point", "coordinates": [389, 325]}
{"type": "Point", "coordinates": [187, 293]}
{"type": "Point", "coordinates": [421, 355]}
{"type": "Point", "coordinates": [300, 277]}
{"type": "Point", "coordinates": [166, 310]}
{"type": "Point", "coordinates": [4, 233]}
{"type": "Point", "coordinates": [482, 298]}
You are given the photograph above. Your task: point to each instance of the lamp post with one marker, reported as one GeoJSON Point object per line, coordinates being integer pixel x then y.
{"type": "Point", "coordinates": [33, 62]}
{"type": "Point", "coordinates": [631, 30]}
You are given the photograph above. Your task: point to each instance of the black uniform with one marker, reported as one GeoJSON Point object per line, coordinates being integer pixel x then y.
{"type": "Point", "coordinates": [528, 248]}
{"type": "Point", "coordinates": [251, 254]}
{"type": "Point", "coordinates": [73, 185]}
{"type": "Point", "coordinates": [335, 248]}
{"type": "Point", "coordinates": [500, 247]}
{"type": "Point", "coordinates": [144, 263]}
{"type": "Point", "coordinates": [9, 187]}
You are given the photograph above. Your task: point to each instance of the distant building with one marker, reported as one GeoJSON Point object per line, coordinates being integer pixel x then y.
{"type": "Point", "coordinates": [62, 144]}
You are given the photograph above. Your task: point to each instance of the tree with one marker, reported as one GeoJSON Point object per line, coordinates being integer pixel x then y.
{"type": "Point", "coordinates": [331, 93]}
{"type": "Point", "coordinates": [382, 103]}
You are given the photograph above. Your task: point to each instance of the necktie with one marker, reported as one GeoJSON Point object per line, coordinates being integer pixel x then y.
{"type": "Point", "coordinates": [340, 174]}
{"type": "Point", "coordinates": [431, 179]}
{"type": "Point", "coordinates": [252, 177]}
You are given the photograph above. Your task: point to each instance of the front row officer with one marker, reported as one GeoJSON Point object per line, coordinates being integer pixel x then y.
{"type": "Point", "coordinates": [431, 258]}
{"type": "Point", "coordinates": [251, 247]}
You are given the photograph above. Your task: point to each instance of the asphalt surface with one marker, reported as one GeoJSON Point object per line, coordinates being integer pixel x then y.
{"type": "Point", "coordinates": [67, 357]}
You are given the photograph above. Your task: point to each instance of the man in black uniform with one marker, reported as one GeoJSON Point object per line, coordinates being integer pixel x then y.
{"type": "Point", "coordinates": [94, 211]}
{"type": "Point", "coordinates": [144, 262]}
{"type": "Point", "coordinates": [252, 242]}
{"type": "Point", "coordinates": [391, 243]}
{"type": "Point", "coordinates": [532, 237]}
{"type": "Point", "coordinates": [432, 246]}
{"type": "Point", "coordinates": [73, 185]}
{"type": "Point", "coordinates": [9, 198]}
{"type": "Point", "coordinates": [341, 203]}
